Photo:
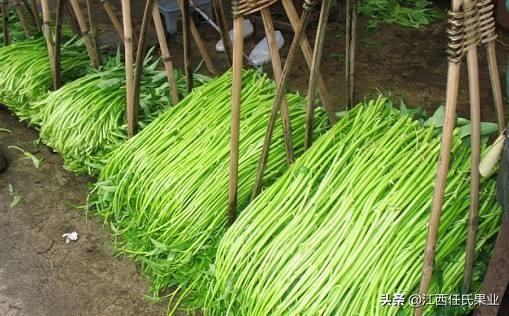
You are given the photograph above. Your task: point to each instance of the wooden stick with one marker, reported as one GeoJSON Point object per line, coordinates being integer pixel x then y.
{"type": "Point", "coordinates": [293, 16]}
{"type": "Point", "coordinates": [46, 17]}
{"type": "Point", "coordinates": [186, 23]}
{"type": "Point", "coordinates": [441, 177]}
{"type": "Point", "coordinates": [475, 119]}
{"type": "Point", "coordinates": [5, 25]}
{"type": "Point", "coordinates": [128, 45]}
{"type": "Point", "coordinates": [280, 94]}
{"type": "Point", "coordinates": [165, 52]}
{"type": "Point", "coordinates": [495, 84]}
{"type": "Point", "coordinates": [238, 48]}
{"type": "Point", "coordinates": [35, 14]}
{"type": "Point", "coordinates": [223, 29]}
{"type": "Point", "coordinates": [315, 70]}
{"type": "Point", "coordinates": [93, 32]}
{"type": "Point", "coordinates": [58, 42]}
{"type": "Point", "coordinates": [71, 18]}
{"type": "Point", "coordinates": [110, 11]}
{"type": "Point", "coordinates": [140, 56]}
{"type": "Point", "coordinates": [22, 17]}
{"type": "Point", "coordinates": [201, 47]}
{"type": "Point", "coordinates": [94, 57]}
{"type": "Point", "coordinates": [351, 26]}
{"type": "Point", "coordinates": [277, 69]}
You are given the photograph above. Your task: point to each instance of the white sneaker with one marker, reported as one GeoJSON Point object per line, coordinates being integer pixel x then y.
{"type": "Point", "coordinates": [261, 54]}
{"type": "Point", "coordinates": [248, 31]}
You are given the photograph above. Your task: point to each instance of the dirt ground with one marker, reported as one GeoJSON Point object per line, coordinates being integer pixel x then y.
{"type": "Point", "coordinates": [42, 275]}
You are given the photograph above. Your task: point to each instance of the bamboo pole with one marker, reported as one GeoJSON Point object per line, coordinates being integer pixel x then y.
{"type": "Point", "coordinates": [351, 28]}
{"type": "Point", "coordinates": [140, 56]}
{"type": "Point", "coordinates": [165, 52]}
{"type": "Point", "coordinates": [475, 119]}
{"type": "Point", "coordinates": [277, 69]}
{"type": "Point", "coordinates": [223, 29]}
{"type": "Point", "coordinates": [201, 47]}
{"type": "Point", "coordinates": [93, 32]}
{"type": "Point", "coordinates": [293, 16]}
{"type": "Point", "coordinates": [94, 57]}
{"type": "Point", "coordinates": [110, 11]}
{"type": "Point", "coordinates": [58, 42]}
{"type": "Point", "coordinates": [441, 177]}
{"type": "Point", "coordinates": [315, 70]}
{"type": "Point", "coordinates": [495, 84]}
{"type": "Point", "coordinates": [71, 18]}
{"type": "Point", "coordinates": [35, 14]}
{"type": "Point", "coordinates": [238, 48]}
{"type": "Point", "coordinates": [186, 23]}
{"type": "Point", "coordinates": [280, 95]}
{"type": "Point", "coordinates": [46, 17]}
{"type": "Point", "coordinates": [22, 17]}
{"type": "Point", "coordinates": [5, 25]}
{"type": "Point", "coordinates": [128, 45]}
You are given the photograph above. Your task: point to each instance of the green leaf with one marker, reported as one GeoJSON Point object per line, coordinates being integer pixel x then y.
{"type": "Point", "coordinates": [15, 201]}
{"type": "Point", "coordinates": [110, 83]}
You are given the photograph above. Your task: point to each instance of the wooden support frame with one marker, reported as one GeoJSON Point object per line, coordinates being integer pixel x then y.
{"type": "Point", "coordinates": [140, 56]}
{"type": "Point", "coordinates": [351, 43]}
{"type": "Point", "coordinates": [49, 40]}
{"type": "Point", "coordinates": [5, 21]}
{"type": "Point", "coordinates": [280, 95]}
{"type": "Point", "coordinates": [35, 14]}
{"type": "Point", "coordinates": [110, 11]}
{"type": "Point", "coordinates": [186, 30]}
{"type": "Point", "coordinates": [22, 17]}
{"type": "Point", "coordinates": [58, 42]}
{"type": "Point", "coordinates": [95, 58]}
{"type": "Point", "coordinates": [307, 51]}
{"type": "Point", "coordinates": [165, 53]}
{"type": "Point", "coordinates": [315, 70]}
{"type": "Point", "coordinates": [128, 46]}
{"type": "Point", "coordinates": [236, 97]}
{"type": "Point", "coordinates": [446, 145]}
{"type": "Point", "coordinates": [93, 32]}
{"type": "Point", "coordinates": [223, 29]}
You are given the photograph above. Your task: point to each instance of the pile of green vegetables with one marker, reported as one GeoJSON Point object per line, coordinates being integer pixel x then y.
{"type": "Point", "coordinates": [86, 119]}
{"type": "Point", "coordinates": [16, 31]}
{"type": "Point", "coordinates": [347, 223]}
{"type": "Point", "coordinates": [407, 13]}
{"type": "Point", "coordinates": [165, 192]}
{"type": "Point", "coordinates": [25, 73]}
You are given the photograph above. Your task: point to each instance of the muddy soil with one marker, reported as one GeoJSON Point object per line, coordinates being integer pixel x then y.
{"type": "Point", "coordinates": [39, 273]}
{"type": "Point", "coordinates": [42, 275]}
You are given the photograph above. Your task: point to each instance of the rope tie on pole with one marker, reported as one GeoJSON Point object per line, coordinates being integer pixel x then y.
{"type": "Point", "coordinates": [246, 7]}
{"type": "Point", "coordinates": [463, 31]}
{"type": "Point", "coordinates": [309, 4]}
{"type": "Point", "coordinates": [487, 21]}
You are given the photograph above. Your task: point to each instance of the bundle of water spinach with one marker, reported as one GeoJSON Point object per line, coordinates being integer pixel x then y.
{"type": "Point", "coordinates": [347, 224]}
{"type": "Point", "coordinates": [25, 73]}
{"type": "Point", "coordinates": [165, 192]}
{"type": "Point", "coordinates": [86, 119]}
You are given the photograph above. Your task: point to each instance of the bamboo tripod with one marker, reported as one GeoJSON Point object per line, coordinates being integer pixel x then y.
{"type": "Point", "coordinates": [313, 58]}
{"type": "Point", "coordinates": [133, 77]}
{"type": "Point", "coordinates": [470, 22]}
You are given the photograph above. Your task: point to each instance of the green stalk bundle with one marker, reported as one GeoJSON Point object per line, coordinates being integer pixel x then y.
{"type": "Point", "coordinates": [165, 192]}
{"type": "Point", "coordinates": [25, 73]}
{"type": "Point", "coordinates": [347, 223]}
{"type": "Point", "coordinates": [86, 119]}
{"type": "Point", "coordinates": [16, 32]}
